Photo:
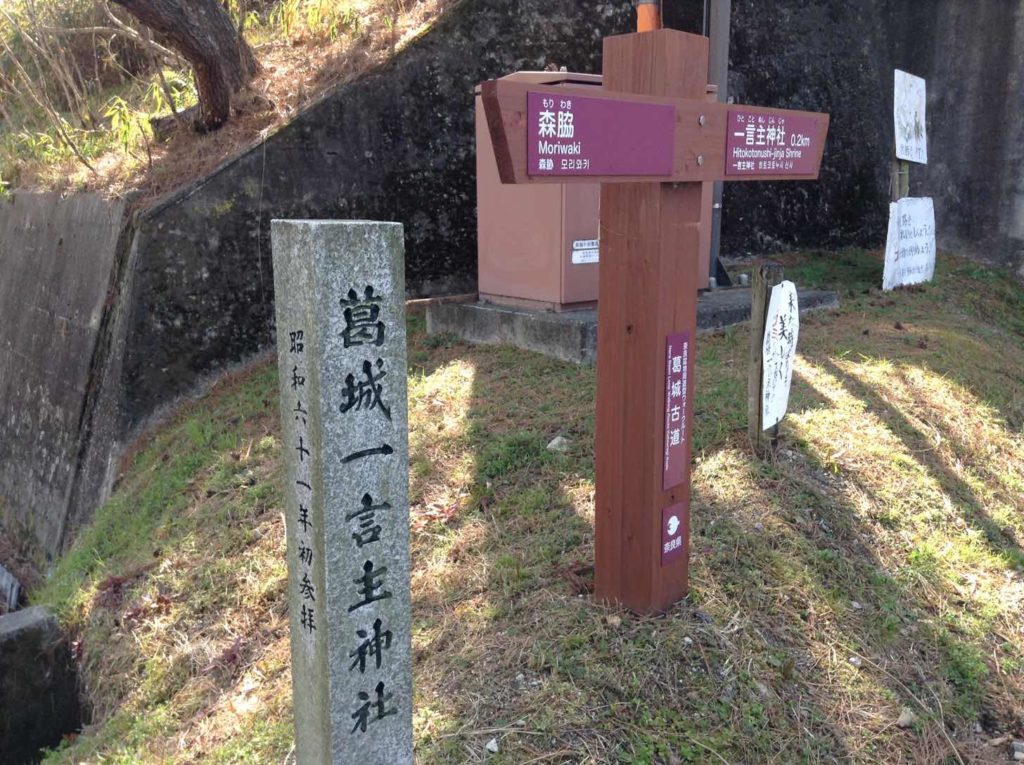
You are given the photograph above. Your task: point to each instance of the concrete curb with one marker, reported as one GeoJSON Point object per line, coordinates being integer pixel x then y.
{"type": "Point", "coordinates": [572, 335]}
{"type": "Point", "coordinates": [39, 701]}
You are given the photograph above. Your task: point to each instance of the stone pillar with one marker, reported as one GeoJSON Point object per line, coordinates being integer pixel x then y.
{"type": "Point", "coordinates": [340, 295]}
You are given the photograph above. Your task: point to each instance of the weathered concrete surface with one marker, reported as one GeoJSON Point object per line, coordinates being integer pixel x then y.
{"type": "Point", "coordinates": [972, 55]}
{"type": "Point", "coordinates": [837, 56]}
{"type": "Point", "coordinates": [38, 688]}
{"type": "Point", "coordinates": [567, 336]}
{"type": "Point", "coordinates": [56, 262]}
{"type": "Point", "coordinates": [397, 144]}
{"type": "Point", "coordinates": [572, 335]}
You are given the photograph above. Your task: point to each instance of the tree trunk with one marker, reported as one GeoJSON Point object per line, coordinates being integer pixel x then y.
{"type": "Point", "coordinates": [201, 30]}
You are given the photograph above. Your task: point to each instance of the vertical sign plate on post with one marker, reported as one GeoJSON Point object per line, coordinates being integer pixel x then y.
{"type": "Point", "coordinates": [673, 532]}
{"type": "Point", "coordinates": [677, 371]}
{"type": "Point", "coordinates": [769, 144]}
{"type": "Point", "coordinates": [576, 135]}
{"type": "Point", "coordinates": [340, 297]}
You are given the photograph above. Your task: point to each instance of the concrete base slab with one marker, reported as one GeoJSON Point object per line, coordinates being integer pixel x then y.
{"type": "Point", "coordinates": [572, 335]}
{"type": "Point", "coordinates": [38, 688]}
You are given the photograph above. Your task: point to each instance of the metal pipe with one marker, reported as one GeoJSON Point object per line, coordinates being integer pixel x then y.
{"type": "Point", "coordinates": [717, 14]}
{"type": "Point", "coordinates": [648, 15]}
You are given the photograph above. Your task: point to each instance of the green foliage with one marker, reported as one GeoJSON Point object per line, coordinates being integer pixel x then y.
{"type": "Point", "coordinates": [89, 94]}
{"type": "Point", "coordinates": [181, 87]}
{"type": "Point", "coordinates": [128, 128]}
{"type": "Point", "coordinates": [506, 454]}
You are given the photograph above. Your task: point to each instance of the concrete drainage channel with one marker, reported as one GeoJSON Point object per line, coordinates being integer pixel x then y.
{"type": "Point", "coordinates": [39, 698]}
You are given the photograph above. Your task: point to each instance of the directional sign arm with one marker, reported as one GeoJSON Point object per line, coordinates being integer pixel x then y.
{"type": "Point", "coordinates": [698, 142]}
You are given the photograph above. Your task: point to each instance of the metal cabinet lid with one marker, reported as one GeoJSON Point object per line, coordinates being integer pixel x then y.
{"type": "Point", "coordinates": [551, 78]}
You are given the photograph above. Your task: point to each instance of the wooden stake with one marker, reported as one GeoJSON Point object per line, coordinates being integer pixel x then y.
{"type": "Point", "coordinates": [900, 179]}
{"type": "Point", "coordinates": [766, 276]}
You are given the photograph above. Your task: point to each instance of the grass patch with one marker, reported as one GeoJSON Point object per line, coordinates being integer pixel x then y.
{"type": "Point", "coordinates": [873, 564]}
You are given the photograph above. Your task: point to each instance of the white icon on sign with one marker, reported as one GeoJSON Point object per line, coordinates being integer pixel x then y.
{"type": "Point", "coordinates": [673, 525]}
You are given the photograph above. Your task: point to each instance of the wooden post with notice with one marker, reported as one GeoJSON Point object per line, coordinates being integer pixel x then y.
{"type": "Point", "coordinates": [765, 277]}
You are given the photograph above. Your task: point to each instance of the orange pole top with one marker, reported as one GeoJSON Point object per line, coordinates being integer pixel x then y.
{"type": "Point", "coordinates": [648, 15]}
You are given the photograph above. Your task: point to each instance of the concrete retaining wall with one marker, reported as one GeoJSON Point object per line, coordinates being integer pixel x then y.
{"type": "Point", "coordinates": [56, 265]}
{"type": "Point", "coordinates": [398, 144]}
{"type": "Point", "coordinates": [102, 324]}
{"type": "Point", "coordinates": [839, 57]}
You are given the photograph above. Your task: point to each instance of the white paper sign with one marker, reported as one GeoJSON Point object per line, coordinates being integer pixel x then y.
{"type": "Point", "coordinates": [583, 257]}
{"type": "Point", "coordinates": [910, 246]}
{"type": "Point", "coordinates": [781, 332]}
{"type": "Point", "coordinates": [909, 110]}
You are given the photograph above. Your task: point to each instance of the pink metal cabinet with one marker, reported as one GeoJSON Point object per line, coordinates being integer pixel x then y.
{"type": "Point", "coordinates": [526, 234]}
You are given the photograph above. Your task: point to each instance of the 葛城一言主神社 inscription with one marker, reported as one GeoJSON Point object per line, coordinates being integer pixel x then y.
{"type": "Point", "coordinates": [340, 295]}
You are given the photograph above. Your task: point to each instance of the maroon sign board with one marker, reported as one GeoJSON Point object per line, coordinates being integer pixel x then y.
{"type": "Point", "coordinates": [576, 135]}
{"type": "Point", "coordinates": [620, 137]}
{"type": "Point", "coordinates": [778, 144]}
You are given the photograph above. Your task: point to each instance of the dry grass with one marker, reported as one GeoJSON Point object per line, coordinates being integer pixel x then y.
{"type": "Point", "coordinates": [297, 69]}
{"type": "Point", "coordinates": [874, 565]}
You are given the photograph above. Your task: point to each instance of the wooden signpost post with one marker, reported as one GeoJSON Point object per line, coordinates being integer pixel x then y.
{"type": "Point", "coordinates": [651, 139]}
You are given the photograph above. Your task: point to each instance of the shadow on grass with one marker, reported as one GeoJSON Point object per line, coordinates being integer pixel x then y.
{"type": "Point", "coordinates": [803, 639]}
{"type": "Point", "coordinates": [957, 634]}
{"type": "Point", "coordinates": [1000, 537]}
{"type": "Point", "coordinates": [508, 643]}
{"type": "Point", "coordinates": [793, 573]}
